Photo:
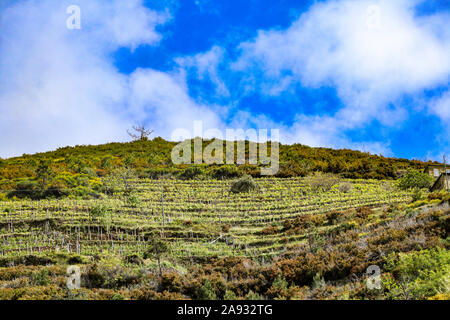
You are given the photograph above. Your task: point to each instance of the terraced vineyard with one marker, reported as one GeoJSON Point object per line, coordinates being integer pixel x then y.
{"type": "Point", "coordinates": [199, 218]}
{"type": "Point", "coordinates": [195, 239]}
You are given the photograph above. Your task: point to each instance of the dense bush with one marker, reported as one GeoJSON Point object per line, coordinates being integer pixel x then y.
{"type": "Point", "coordinates": [206, 291]}
{"type": "Point", "coordinates": [297, 225]}
{"type": "Point", "coordinates": [26, 189]}
{"type": "Point", "coordinates": [156, 173]}
{"type": "Point", "coordinates": [345, 187]}
{"type": "Point", "coordinates": [108, 272]}
{"type": "Point", "coordinates": [133, 201]}
{"type": "Point", "coordinates": [244, 184]}
{"type": "Point", "coordinates": [134, 259]}
{"type": "Point", "coordinates": [191, 173]}
{"type": "Point", "coordinates": [415, 179]}
{"type": "Point", "coordinates": [269, 230]}
{"type": "Point", "coordinates": [103, 215]}
{"type": "Point", "coordinates": [41, 278]}
{"type": "Point", "coordinates": [322, 181]}
{"type": "Point", "coordinates": [363, 212]}
{"type": "Point", "coordinates": [417, 275]}
{"type": "Point", "coordinates": [225, 172]}
{"type": "Point", "coordinates": [120, 180]}
{"type": "Point", "coordinates": [333, 216]}
{"type": "Point", "coordinates": [57, 189]}
{"type": "Point", "coordinates": [230, 295]}
{"type": "Point", "coordinates": [157, 249]}
{"type": "Point", "coordinates": [417, 195]}
{"type": "Point", "coordinates": [171, 281]}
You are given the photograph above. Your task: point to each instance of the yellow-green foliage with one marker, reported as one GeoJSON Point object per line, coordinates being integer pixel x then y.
{"type": "Point", "coordinates": [417, 275]}
{"type": "Point", "coordinates": [153, 158]}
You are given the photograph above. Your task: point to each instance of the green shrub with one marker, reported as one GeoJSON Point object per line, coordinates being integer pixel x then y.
{"type": "Point", "coordinates": [89, 172]}
{"type": "Point", "coordinates": [279, 287]}
{"type": "Point", "coordinates": [121, 179]}
{"type": "Point", "coordinates": [318, 281]}
{"type": "Point", "coordinates": [134, 259]}
{"type": "Point", "coordinates": [108, 273]}
{"type": "Point", "coordinates": [102, 214]}
{"type": "Point", "coordinates": [415, 179]}
{"type": "Point", "coordinates": [99, 211]}
{"type": "Point", "coordinates": [417, 195]}
{"type": "Point", "coordinates": [56, 189]}
{"type": "Point", "coordinates": [191, 173]}
{"type": "Point", "coordinates": [229, 295]}
{"type": "Point", "coordinates": [81, 192]}
{"type": "Point", "coordinates": [315, 240]}
{"type": "Point", "coordinates": [417, 275]}
{"type": "Point", "coordinates": [157, 249]}
{"type": "Point", "coordinates": [26, 189]}
{"type": "Point", "coordinates": [158, 173]}
{"type": "Point", "coordinates": [41, 278]}
{"type": "Point", "coordinates": [252, 296]}
{"type": "Point", "coordinates": [226, 172]}
{"type": "Point", "coordinates": [244, 184]}
{"type": "Point", "coordinates": [206, 291]}
{"type": "Point", "coordinates": [117, 296]}
{"type": "Point", "coordinates": [133, 201]}
{"type": "Point", "coordinates": [322, 181]}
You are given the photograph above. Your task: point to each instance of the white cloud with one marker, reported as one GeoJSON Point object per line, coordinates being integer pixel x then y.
{"type": "Point", "coordinates": [372, 65]}
{"type": "Point", "coordinates": [312, 131]}
{"type": "Point", "coordinates": [59, 87]}
{"type": "Point", "coordinates": [325, 131]}
{"type": "Point", "coordinates": [205, 65]}
{"type": "Point", "coordinates": [164, 99]}
{"type": "Point", "coordinates": [441, 107]}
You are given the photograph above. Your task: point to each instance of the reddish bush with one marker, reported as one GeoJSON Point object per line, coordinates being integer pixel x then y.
{"type": "Point", "coordinates": [269, 230]}
{"type": "Point", "coordinates": [333, 216]}
{"type": "Point", "coordinates": [363, 212]}
{"type": "Point", "coordinates": [171, 281]}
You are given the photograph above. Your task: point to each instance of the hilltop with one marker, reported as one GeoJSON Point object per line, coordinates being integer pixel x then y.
{"type": "Point", "coordinates": [83, 166]}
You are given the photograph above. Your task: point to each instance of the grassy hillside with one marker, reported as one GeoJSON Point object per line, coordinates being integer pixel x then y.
{"type": "Point", "coordinates": [81, 167]}
{"type": "Point", "coordinates": [138, 227]}
{"type": "Point", "coordinates": [286, 240]}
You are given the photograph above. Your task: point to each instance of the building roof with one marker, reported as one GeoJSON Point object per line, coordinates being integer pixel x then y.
{"type": "Point", "coordinates": [437, 165]}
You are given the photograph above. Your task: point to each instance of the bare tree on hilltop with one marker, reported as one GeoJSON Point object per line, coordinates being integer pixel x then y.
{"type": "Point", "coordinates": [143, 133]}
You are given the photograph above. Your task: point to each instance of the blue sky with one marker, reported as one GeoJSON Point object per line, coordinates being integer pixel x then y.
{"type": "Point", "coordinates": [367, 75]}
